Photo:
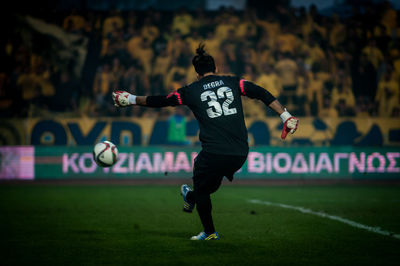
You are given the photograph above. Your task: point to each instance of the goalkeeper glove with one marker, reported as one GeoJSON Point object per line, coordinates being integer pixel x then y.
{"type": "Point", "coordinates": [123, 98]}
{"type": "Point", "coordinates": [290, 124]}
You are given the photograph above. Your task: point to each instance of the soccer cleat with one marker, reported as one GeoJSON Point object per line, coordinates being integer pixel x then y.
{"type": "Point", "coordinates": [204, 236]}
{"type": "Point", "coordinates": [187, 207]}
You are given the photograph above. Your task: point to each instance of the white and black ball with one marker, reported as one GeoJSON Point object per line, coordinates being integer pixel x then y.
{"type": "Point", "coordinates": [105, 154]}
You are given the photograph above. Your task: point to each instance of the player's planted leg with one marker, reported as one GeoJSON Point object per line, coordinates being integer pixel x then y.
{"type": "Point", "coordinates": [204, 236]}
{"type": "Point", "coordinates": [204, 209]}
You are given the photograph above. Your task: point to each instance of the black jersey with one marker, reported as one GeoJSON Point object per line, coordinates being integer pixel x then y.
{"type": "Point", "coordinates": [216, 103]}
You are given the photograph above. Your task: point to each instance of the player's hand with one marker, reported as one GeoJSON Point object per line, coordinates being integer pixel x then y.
{"type": "Point", "coordinates": [123, 98]}
{"type": "Point", "coordinates": [289, 126]}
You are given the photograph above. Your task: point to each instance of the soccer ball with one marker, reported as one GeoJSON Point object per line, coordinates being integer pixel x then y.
{"type": "Point", "coordinates": [105, 154]}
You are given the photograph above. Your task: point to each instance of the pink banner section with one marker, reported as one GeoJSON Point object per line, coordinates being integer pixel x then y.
{"type": "Point", "coordinates": [17, 162]}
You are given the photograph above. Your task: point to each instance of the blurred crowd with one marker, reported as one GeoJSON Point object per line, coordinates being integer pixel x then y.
{"type": "Point", "coordinates": [326, 66]}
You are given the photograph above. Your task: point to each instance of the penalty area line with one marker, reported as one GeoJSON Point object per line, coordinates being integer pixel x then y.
{"type": "Point", "coordinates": [377, 230]}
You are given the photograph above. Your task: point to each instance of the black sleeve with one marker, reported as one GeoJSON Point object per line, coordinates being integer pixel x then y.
{"type": "Point", "coordinates": [253, 91]}
{"type": "Point", "coordinates": [172, 99]}
{"type": "Point", "coordinates": [158, 101]}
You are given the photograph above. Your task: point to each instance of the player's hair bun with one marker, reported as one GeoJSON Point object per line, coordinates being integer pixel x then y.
{"type": "Point", "coordinates": [200, 50]}
{"type": "Point", "coordinates": [203, 62]}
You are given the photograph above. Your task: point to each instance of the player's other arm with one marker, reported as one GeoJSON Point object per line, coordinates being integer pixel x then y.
{"type": "Point", "coordinates": [123, 99]}
{"type": "Point", "coordinates": [256, 92]}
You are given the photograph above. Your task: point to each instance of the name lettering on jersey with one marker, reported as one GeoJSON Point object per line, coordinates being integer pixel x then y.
{"type": "Point", "coordinates": [213, 84]}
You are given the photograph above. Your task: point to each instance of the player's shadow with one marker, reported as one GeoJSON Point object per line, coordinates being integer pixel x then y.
{"type": "Point", "coordinates": [172, 234]}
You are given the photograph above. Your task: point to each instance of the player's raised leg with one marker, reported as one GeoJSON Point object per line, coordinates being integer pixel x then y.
{"type": "Point", "coordinates": [188, 198]}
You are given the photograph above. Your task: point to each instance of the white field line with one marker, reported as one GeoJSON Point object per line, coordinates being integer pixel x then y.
{"type": "Point", "coordinates": [377, 230]}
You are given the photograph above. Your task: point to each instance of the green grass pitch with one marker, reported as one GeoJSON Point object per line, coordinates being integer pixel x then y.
{"type": "Point", "coordinates": [145, 225]}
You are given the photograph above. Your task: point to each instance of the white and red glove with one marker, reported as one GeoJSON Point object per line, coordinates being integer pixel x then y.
{"type": "Point", "coordinates": [123, 98]}
{"type": "Point", "coordinates": [290, 124]}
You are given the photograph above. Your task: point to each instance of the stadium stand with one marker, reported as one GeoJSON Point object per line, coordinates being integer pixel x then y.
{"type": "Point", "coordinates": [316, 64]}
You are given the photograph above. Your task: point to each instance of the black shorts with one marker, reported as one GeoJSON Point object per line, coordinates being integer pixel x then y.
{"type": "Point", "coordinates": [210, 169]}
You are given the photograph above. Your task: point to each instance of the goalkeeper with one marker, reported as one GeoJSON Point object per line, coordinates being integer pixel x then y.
{"type": "Point", "coordinates": [215, 101]}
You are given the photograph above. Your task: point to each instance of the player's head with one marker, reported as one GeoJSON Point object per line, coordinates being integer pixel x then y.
{"type": "Point", "coordinates": [203, 62]}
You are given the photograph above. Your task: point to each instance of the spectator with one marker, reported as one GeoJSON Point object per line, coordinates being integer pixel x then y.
{"type": "Point", "coordinates": [264, 55]}
{"type": "Point", "coordinates": [161, 64]}
{"type": "Point", "coordinates": [145, 56]}
{"type": "Point", "coordinates": [364, 79]}
{"type": "Point", "coordinates": [175, 77]}
{"type": "Point", "coordinates": [387, 96]}
{"type": "Point", "coordinates": [315, 53]}
{"type": "Point", "coordinates": [134, 42]}
{"type": "Point", "coordinates": [328, 110]}
{"type": "Point", "coordinates": [230, 48]}
{"type": "Point", "coordinates": [389, 18]}
{"type": "Point", "coordinates": [74, 22]}
{"type": "Point", "coordinates": [46, 87]}
{"type": "Point", "coordinates": [182, 22]}
{"type": "Point", "coordinates": [177, 128]}
{"type": "Point", "coordinates": [213, 46]}
{"type": "Point", "coordinates": [287, 42]}
{"type": "Point", "coordinates": [149, 30]}
{"type": "Point", "coordinates": [271, 27]}
{"type": "Point", "coordinates": [103, 86]}
{"type": "Point", "coordinates": [128, 80]}
{"type": "Point", "coordinates": [247, 28]}
{"type": "Point", "coordinates": [66, 96]}
{"type": "Point", "coordinates": [113, 22]}
{"type": "Point", "coordinates": [28, 83]}
{"type": "Point", "coordinates": [374, 55]}
{"type": "Point", "coordinates": [193, 40]}
{"type": "Point", "coordinates": [395, 55]}
{"type": "Point", "coordinates": [311, 26]}
{"type": "Point", "coordinates": [175, 45]}
{"type": "Point", "coordinates": [225, 28]}
{"type": "Point", "coordinates": [337, 34]}
{"type": "Point", "coordinates": [342, 96]}
{"type": "Point", "coordinates": [270, 80]}
{"type": "Point", "coordinates": [201, 23]}
{"type": "Point", "coordinates": [314, 88]}
{"type": "Point", "coordinates": [287, 71]}
{"type": "Point", "coordinates": [117, 70]}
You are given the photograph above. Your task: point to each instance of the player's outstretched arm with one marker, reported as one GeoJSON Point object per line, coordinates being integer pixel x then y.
{"type": "Point", "coordinates": [123, 99]}
{"type": "Point", "coordinates": [290, 122]}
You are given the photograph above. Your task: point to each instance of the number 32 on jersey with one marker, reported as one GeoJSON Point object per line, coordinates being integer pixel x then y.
{"type": "Point", "coordinates": [216, 109]}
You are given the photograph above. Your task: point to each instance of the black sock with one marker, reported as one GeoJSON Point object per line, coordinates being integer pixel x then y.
{"type": "Point", "coordinates": [204, 208]}
{"type": "Point", "coordinates": [190, 197]}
